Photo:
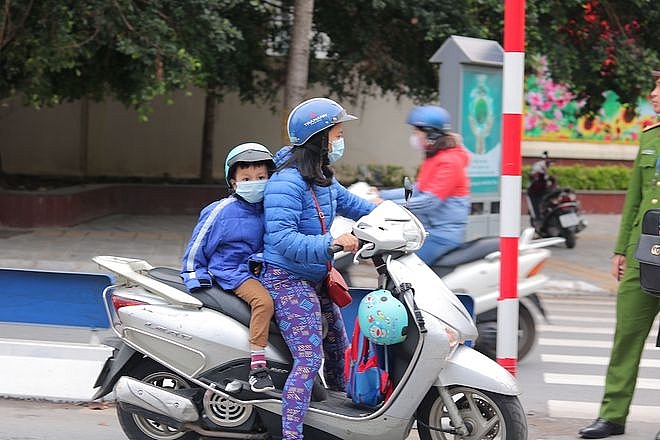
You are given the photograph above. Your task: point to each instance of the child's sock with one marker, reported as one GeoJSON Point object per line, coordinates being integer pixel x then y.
{"type": "Point", "coordinates": [258, 359]}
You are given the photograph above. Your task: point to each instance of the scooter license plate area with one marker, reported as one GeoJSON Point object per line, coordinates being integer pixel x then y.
{"type": "Point", "coordinates": [568, 220]}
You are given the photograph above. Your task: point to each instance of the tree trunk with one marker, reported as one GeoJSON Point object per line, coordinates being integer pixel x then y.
{"type": "Point", "coordinates": [206, 165]}
{"type": "Point", "coordinates": [298, 61]}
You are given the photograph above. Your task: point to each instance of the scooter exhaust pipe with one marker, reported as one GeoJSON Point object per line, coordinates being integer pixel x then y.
{"type": "Point", "coordinates": [155, 400]}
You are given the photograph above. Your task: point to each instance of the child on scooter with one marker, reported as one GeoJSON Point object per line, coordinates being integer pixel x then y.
{"type": "Point", "coordinates": [223, 245]}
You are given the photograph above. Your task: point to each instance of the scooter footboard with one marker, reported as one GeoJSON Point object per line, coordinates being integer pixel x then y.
{"type": "Point", "coordinates": [471, 368]}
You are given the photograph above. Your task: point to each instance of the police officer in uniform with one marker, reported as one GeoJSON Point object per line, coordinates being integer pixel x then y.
{"type": "Point", "coordinates": [635, 309]}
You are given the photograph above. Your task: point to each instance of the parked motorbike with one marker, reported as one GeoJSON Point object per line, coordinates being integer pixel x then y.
{"type": "Point", "coordinates": [554, 211]}
{"type": "Point", "coordinates": [180, 367]}
{"type": "Point", "coordinates": [472, 271]}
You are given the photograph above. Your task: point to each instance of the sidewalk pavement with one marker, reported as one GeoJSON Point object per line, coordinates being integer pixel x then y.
{"type": "Point", "coordinates": [161, 241]}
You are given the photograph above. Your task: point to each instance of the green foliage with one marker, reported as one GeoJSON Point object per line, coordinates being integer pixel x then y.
{"type": "Point", "coordinates": [596, 46]}
{"type": "Point", "coordinates": [580, 177]}
{"type": "Point", "coordinates": [54, 50]}
{"type": "Point", "coordinates": [383, 176]}
{"type": "Point", "coordinates": [134, 50]}
{"type": "Point", "coordinates": [384, 46]}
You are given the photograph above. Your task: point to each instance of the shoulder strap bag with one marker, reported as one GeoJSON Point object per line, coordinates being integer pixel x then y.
{"type": "Point", "coordinates": [334, 282]}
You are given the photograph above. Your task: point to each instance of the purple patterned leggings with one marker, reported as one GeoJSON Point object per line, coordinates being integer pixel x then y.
{"type": "Point", "coordinates": [298, 310]}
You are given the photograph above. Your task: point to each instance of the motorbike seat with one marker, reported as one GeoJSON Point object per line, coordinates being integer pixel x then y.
{"type": "Point", "coordinates": [469, 251]}
{"type": "Point", "coordinates": [213, 297]}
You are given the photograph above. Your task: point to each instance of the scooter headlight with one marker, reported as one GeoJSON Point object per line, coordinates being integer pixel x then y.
{"type": "Point", "coordinates": [414, 234]}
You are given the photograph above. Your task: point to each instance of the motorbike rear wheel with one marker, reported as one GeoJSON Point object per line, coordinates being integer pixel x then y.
{"type": "Point", "coordinates": [487, 415]}
{"type": "Point", "coordinates": [140, 427]}
{"type": "Point", "coordinates": [569, 236]}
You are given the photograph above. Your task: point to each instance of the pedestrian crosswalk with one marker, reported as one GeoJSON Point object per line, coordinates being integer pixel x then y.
{"type": "Point", "coordinates": [574, 348]}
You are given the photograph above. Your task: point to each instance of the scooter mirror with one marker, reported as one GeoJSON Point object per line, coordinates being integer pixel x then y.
{"type": "Point", "coordinates": [408, 187]}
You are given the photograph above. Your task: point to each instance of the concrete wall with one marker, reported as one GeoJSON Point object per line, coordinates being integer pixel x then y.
{"type": "Point", "coordinates": [106, 139]}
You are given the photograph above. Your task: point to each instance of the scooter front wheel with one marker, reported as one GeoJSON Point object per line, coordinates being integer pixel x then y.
{"type": "Point", "coordinates": [486, 415]}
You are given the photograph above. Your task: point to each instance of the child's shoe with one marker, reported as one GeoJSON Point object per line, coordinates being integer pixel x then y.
{"type": "Point", "coordinates": [260, 380]}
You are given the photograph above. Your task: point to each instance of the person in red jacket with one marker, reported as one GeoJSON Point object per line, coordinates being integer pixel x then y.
{"type": "Point", "coordinates": [441, 196]}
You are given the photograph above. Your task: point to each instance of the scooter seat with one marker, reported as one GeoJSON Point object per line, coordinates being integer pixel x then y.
{"type": "Point", "coordinates": [469, 251]}
{"type": "Point", "coordinates": [231, 305]}
{"type": "Point", "coordinates": [213, 297]}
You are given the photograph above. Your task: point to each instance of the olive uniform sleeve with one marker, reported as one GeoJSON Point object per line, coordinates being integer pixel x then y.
{"type": "Point", "coordinates": [630, 207]}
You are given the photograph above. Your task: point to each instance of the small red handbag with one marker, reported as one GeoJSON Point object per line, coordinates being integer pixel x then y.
{"type": "Point", "coordinates": [337, 288]}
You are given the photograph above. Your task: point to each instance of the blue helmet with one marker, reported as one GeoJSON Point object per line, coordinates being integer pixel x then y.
{"type": "Point", "coordinates": [430, 118]}
{"type": "Point", "coordinates": [312, 116]}
{"type": "Point", "coordinates": [248, 152]}
{"type": "Point", "coordinates": [383, 319]}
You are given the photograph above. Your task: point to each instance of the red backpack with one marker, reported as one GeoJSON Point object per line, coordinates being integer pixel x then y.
{"type": "Point", "coordinates": [367, 384]}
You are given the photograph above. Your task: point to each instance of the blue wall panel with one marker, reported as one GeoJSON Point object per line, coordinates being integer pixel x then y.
{"type": "Point", "coordinates": [57, 298]}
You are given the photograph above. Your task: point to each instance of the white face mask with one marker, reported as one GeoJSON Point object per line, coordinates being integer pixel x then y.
{"type": "Point", "coordinates": [337, 150]}
{"type": "Point", "coordinates": [252, 191]}
{"type": "Point", "coordinates": [415, 142]}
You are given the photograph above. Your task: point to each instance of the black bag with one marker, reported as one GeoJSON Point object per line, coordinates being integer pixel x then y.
{"type": "Point", "coordinates": [648, 253]}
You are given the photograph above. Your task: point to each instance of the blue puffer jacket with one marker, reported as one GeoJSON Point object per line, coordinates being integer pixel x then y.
{"type": "Point", "coordinates": [227, 235]}
{"type": "Point", "coordinates": [293, 238]}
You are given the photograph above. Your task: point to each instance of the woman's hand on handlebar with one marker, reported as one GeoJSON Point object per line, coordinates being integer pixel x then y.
{"type": "Point", "coordinates": [374, 196]}
{"type": "Point", "coordinates": [348, 241]}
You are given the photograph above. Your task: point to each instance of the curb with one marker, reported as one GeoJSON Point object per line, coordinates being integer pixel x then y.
{"type": "Point", "coordinates": [57, 371]}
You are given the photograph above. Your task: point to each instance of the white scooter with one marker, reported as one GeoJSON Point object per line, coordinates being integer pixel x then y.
{"type": "Point", "coordinates": [472, 271]}
{"type": "Point", "coordinates": [181, 363]}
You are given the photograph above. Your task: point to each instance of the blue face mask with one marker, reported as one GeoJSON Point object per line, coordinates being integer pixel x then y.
{"type": "Point", "coordinates": [252, 191]}
{"type": "Point", "coordinates": [337, 150]}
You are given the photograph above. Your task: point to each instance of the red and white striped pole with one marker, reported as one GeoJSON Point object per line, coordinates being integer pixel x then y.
{"type": "Point", "coordinates": [511, 183]}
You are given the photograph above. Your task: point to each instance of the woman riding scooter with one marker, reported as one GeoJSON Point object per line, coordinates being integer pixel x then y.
{"type": "Point", "coordinates": [441, 194]}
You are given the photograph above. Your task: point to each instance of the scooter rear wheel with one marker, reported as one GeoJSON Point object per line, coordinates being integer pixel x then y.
{"type": "Point", "coordinates": [487, 415]}
{"type": "Point", "coordinates": [569, 236]}
{"type": "Point", "coordinates": [140, 427]}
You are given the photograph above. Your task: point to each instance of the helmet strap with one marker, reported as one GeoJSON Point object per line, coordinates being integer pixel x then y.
{"type": "Point", "coordinates": [432, 133]}
{"type": "Point", "coordinates": [444, 141]}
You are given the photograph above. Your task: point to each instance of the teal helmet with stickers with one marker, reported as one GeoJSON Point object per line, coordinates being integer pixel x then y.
{"type": "Point", "coordinates": [383, 319]}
